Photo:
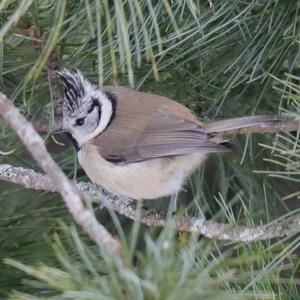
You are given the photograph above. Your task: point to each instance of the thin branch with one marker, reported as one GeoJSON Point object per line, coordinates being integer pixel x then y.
{"type": "Point", "coordinates": [57, 179]}
{"type": "Point", "coordinates": [262, 124]}
{"type": "Point", "coordinates": [285, 227]}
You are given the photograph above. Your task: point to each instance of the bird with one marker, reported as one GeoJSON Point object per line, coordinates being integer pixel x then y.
{"type": "Point", "coordinates": [139, 145]}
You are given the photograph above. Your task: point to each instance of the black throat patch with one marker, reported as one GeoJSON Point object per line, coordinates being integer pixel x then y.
{"type": "Point", "coordinates": [74, 142]}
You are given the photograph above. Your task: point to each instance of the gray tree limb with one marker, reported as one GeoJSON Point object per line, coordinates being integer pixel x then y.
{"type": "Point", "coordinates": [56, 179]}
{"type": "Point", "coordinates": [285, 227]}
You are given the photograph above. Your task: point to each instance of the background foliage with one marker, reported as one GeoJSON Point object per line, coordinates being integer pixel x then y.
{"type": "Point", "coordinates": [219, 58]}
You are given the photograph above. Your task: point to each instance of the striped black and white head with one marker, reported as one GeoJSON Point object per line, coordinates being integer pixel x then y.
{"type": "Point", "coordinates": [87, 110]}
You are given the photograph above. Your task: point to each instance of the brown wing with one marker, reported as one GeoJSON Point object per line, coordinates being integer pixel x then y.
{"type": "Point", "coordinates": [148, 126]}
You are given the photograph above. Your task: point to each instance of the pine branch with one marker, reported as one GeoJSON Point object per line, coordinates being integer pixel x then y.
{"type": "Point", "coordinates": [253, 124]}
{"type": "Point", "coordinates": [56, 178]}
{"type": "Point", "coordinates": [285, 227]}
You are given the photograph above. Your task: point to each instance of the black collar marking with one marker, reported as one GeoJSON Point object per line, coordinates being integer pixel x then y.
{"type": "Point", "coordinates": [113, 99]}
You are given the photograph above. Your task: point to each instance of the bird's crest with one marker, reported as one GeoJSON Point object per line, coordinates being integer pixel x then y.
{"type": "Point", "coordinates": [75, 87]}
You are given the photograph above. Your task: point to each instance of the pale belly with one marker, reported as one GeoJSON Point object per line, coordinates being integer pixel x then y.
{"type": "Point", "coordinates": [142, 180]}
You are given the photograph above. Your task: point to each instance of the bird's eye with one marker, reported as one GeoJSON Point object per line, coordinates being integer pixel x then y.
{"type": "Point", "coordinates": [80, 121]}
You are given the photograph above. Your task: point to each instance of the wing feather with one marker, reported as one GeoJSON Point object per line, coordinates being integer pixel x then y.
{"type": "Point", "coordinates": [154, 130]}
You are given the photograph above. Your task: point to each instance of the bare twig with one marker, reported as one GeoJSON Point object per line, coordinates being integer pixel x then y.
{"type": "Point", "coordinates": [36, 181]}
{"type": "Point", "coordinates": [256, 124]}
{"type": "Point", "coordinates": [57, 179]}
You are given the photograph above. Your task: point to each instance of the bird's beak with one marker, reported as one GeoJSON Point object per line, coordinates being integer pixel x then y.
{"type": "Point", "coordinates": [58, 131]}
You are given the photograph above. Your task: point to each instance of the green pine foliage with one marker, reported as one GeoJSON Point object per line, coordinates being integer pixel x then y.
{"type": "Point", "coordinates": [220, 59]}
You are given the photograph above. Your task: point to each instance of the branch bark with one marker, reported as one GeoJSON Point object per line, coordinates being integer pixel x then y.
{"type": "Point", "coordinates": [286, 227]}
{"type": "Point", "coordinates": [253, 124]}
{"type": "Point", "coordinates": [56, 178]}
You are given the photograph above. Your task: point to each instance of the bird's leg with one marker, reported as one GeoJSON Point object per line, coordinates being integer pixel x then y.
{"type": "Point", "coordinates": [173, 205]}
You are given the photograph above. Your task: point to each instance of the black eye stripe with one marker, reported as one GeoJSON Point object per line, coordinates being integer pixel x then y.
{"type": "Point", "coordinates": [95, 103]}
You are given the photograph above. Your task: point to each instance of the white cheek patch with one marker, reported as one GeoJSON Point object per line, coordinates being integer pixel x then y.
{"type": "Point", "coordinates": [106, 114]}
{"type": "Point", "coordinates": [105, 117]}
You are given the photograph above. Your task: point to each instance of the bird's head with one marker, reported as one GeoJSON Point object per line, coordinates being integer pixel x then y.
{"type": "Point", "coordinates": [87, 110]}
